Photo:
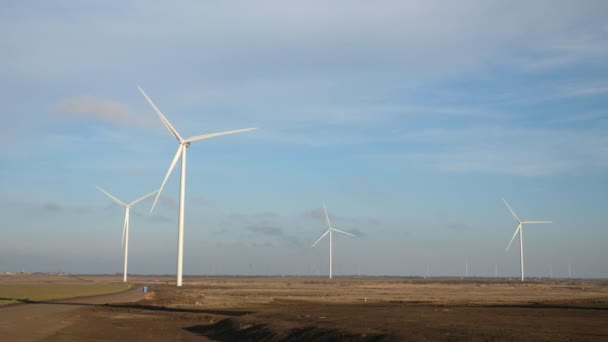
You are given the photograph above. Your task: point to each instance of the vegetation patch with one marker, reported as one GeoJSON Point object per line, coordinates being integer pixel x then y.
{"type": "Point", "coordinates": [15, 293]}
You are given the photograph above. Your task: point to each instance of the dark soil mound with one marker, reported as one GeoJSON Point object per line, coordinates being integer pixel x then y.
{"type": "Point", "coordinates": [233, 329]}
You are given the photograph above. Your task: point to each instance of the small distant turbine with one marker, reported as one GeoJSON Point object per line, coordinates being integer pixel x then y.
{"type": "Point", "coordinates": [519, 230]}
{"type": "Point", "coordinates": [125, 227]}
{"type": "Point", "coordinates": [330, 229]}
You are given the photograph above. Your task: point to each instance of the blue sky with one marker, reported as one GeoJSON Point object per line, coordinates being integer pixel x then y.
{"type": "Point", "coordinates": [410, 120]}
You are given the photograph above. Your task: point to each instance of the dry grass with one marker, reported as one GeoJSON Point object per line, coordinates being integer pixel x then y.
{"type": "Point", "coordinates": [227, 292]}
{"type": "Point", "coordinates": [14, 293]}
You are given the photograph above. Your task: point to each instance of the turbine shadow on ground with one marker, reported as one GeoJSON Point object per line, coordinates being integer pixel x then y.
{"type": "Point", "coordinates": [22, 300]}
{"type": "Point", "coordinates": [230, 313]}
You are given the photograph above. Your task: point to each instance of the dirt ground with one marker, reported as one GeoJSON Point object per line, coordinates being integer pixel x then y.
{"type": "Point", "coordinates": [355, 309]}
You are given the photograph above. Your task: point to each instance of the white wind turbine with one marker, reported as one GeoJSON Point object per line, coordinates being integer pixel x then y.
{"type": "Point", "coordinates": [519, 229]}
{"type": "Point", "coordinates": [125, 227]}
{"type": "Point", "coordinates": [330, 229]}
{"type": "Point", "coordinates": [181, 152]}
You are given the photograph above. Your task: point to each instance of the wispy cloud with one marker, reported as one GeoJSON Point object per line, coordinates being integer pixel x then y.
{"type": "Point", "coordinates": [504, 149]}
{"type": "Point", "coordinates": [317, 214]}
{"type": "Point", "coordinates": [357, 232]}
{"type": "Point", "coordinates": [458, 226]}
{"type": "Point", "coordinates": [46, 207]}
{"type": "Point", "coordinates": [587, 91]}
{"type": "Point", "coordinates": [204, 201]}
{"type": "Point", "coordinates": [265, 230]}
{"type": "Point", "coordinates": [261, 227]}
{"type": "Point", "coordinates": [488, 162]}
{"type": "Point", "coordinates": [143, 213]}
{"type": "Point", "coordinates": [90, 107]}
{"type": "Point", "coordinates": [167, 202]}
{"type": "Point", "coordinates": [52, 207]}
{"type": "Point", "coordinates": [275, 232]}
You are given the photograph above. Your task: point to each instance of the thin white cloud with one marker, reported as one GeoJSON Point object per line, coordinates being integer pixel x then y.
{"type": "Point", "coordinates": [587, 91]}
{"type": "Point", "coordinates": [510, 150]}
{"type": "Point", "coordinates": [488, 162]}
{"type": "Point", "coordinates": [281, 38]}
{"type": "Point", "coordinates": [90, 107]}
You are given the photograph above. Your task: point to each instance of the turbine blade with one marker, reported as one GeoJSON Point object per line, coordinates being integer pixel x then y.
{"type": "Point", "coordinates": [322, 236]}
{"type": "Point", "coordinates": [142, 198]}
{"type": "Point", "coordinates": [511, 210]}
{"type": "Point", "coordinates": [343, 232]}
{"type": "Point", "coordinates": [535, 222]}
{"type": "Point", "coordinates": [213, 135]}
{"type": "Point", "coordinates": [177, 155]}
{"type": "Point", "coordinates": [124, 228]}
{"type": "Point", "coordinates": [326, 216]}
{"type": "Point", "coordinates": [515, 234]}
{"type": "Point", "coordinates": [170, 127]}
{"type": "Point", "coordinates": [112, 197]}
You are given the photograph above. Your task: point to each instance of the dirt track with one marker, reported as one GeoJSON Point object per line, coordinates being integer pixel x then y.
{"type": "Point", "coordinates": [34, 321]}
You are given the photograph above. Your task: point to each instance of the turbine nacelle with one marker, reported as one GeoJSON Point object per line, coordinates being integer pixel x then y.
{"type": "Point", "coordinates": [329, 228]}
{"type": "Point", "coordinates": [183, 143]}
{"type": "Point", "coordinates": [127, 208]}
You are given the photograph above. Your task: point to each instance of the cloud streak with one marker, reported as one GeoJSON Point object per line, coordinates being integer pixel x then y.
{"type": "Point", "coordinates": [505, 149]}
{"type": "Point", "coordinates": [274, 232]}
{"type": "Point", "coordinates": [90, 107]}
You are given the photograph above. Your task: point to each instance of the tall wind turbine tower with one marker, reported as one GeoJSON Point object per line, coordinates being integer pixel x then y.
{"type": "Point", "coordinates": [520, 225]}
{"type": "Point", "coordinates": [125, 227]}
{"type": "Point", "coordinates": [183, 145]}
{"type": "Point", "coordinates": [329, 231]}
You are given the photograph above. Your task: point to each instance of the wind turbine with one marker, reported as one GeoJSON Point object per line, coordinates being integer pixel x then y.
{"type": "Point", "coordinates": [125, 228]}
{"type": "Point", "coordinates": [181, 152]}
{"type": "Point", "coordinates": [330, 229]}
{"type": "Point", "coordinates": [519, 230]}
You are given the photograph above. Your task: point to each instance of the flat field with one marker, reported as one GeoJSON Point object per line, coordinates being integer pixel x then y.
{"type": "Point", "coordinates": [15, 293]}
{"type": "Point", "coordinates": [355, 309]}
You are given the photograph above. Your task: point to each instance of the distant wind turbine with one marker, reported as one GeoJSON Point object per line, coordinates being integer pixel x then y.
{"type": "Point", "coordinates": [125, 227]}
{"type": "Point", "coordinates": [181, 152]}
{"type": "Point", "coordinates": [329, 231]}
{"type": "Point", "coordinates": [519, 230]}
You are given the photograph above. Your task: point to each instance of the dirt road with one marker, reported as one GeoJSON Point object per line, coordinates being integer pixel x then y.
{"type": "Point", "coordinates": [35, 321]}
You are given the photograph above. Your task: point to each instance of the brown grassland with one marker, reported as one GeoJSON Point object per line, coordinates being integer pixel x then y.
{"type": "Point", "coordinates": [353, 308]}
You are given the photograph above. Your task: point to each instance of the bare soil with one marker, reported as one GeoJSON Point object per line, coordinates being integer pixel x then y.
{"type": "Point", "coordinates": [348, 309]}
